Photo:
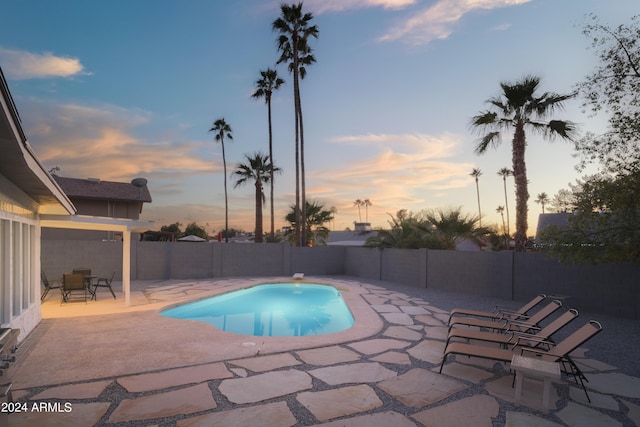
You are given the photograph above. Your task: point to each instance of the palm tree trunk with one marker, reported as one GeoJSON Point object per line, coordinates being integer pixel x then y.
{"type": "Point", "coordinates": [258, 236]}
{"type": "Point", "coordinates": [298, 216]}
{"type": "Point", "coordinates": [271, 171]}
{"type": "Point", "coordinates": [506, 204]}
{"type": "Point", "coordinates": [226, 204]}
{"type": "Point", "coordinates": [522, 192]}
{"type": "Point", "coordinates": [303, 191]}
{"type": "Point", "coordinates": [479, 211]}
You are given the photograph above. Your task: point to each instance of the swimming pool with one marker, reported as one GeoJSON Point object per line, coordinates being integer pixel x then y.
{"type": "Point", "coordinates": [277, 309]}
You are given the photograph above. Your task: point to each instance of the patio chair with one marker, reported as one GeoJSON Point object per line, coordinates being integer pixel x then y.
{"type": "Point", "coordinates": [104, 282]}
{"type": "Point", "coordinates": [556, 353]}
{"type": "Point", "coordinates": [539, 337]}
{"type": "Point", "coordinates": [499, 312]}
{"type": "Point", "coordinates": [73, 287]}
{"type": "Point", "coordinates": [522, 324]}
{"type": "Point", "coordinates": [48, 285]}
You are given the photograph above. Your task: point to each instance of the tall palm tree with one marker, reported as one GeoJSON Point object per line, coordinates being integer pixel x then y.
{"type": "Point", "coordinates": [358, 203]}
{"type": "Point", "coordinates": [223, 130]}
{"type": "Point", "coordinates": [500, 210]}
{"type": "Point", "coordinates": [476, 174]}
{"type": "Point", "coordinates": [265, 85]}
{"type": "Point", "coordinates": [504, 173]}
{"type": "Point", "coordinates": [257, 169]}
{"type": "Point", "coordinates": [366, 203]}
{"type": "Point", "coordinates": [519, 107]}
{"type": "Point", "coordinates": [295, 29]}
{"type": "Point", "coordinates": [543, 199]}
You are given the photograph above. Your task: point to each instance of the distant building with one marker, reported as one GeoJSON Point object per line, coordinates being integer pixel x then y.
{"type": "Point", "coordinates": [107, 199]}
{"type": "Point", "coordinates": [559, 220]}
{"type": "Point", "coordinates": [362, 226]}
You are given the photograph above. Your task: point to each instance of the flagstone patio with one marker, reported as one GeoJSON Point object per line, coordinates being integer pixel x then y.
{"type": "Point", "coordinates": [130, 366]}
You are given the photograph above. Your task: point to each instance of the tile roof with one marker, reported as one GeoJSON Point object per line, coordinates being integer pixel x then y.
{"type": "Point", "coordinates": [106, 190]}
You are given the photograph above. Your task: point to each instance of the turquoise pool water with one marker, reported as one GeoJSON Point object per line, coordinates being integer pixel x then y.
{"type": "Point", "coordinates": [279, 309]}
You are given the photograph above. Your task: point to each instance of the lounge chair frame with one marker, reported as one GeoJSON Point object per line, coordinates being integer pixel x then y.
{"type": "Point", "coordinates": [559, 352]}
{"type": "Point", "coordinates": [499, 312]}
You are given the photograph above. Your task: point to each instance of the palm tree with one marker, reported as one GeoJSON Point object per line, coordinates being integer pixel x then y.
{"type": "Point", "coordinates": [295, 29]}
{"type": "Point", "coordinates": [265, 85]}
{"type": "Point", "coordinates": [317, 216]}
{"type": "Point", "coordinates": [504, 173]}
{"type": "Point", "coordinates": [517, 108]}
{"type": "Point", "coordinates": [451, 226]}
{"type": "Point", "coordinates": [358, 203]}
{"type": "Point", "coordinates": [542, 199]}
{"type": "Point", "coordinates": [366, 204]}
{"type": "Point", "coordinates": [223, 130]}
{"type": "Point", "coordinates": [476, 174]}
{"type": "Point", "coordinates": [258, 169]}
{"type": "Point", "coordinates": [500, 210]}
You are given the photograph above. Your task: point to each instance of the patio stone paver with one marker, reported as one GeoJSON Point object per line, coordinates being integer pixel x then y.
{"type": "Point", "coordinates": [382, 419]}
{"type": "Point", "coordinates": [467, 372]}
{"type": "Point", "coordinates": [615, 383]}
{"type": "Point", "coordinates": [271, 414]}
{"type": "Point", "coordinates": [428, 350]}
{"type": "Point", "coordinates": [436, 332]}
{"type": "Point", "coordinates": [241, 372]}
{"type": "Point", "coordinates": [81, 415]}
{"type": "Point", "coordinates": [597, 399]}
{"type": "Point", "coordinates": [579, 415]}
{"type": "Point", "coordinates": [74, 391]}
{"type": "Point", "coordinates": [413, 309]}
{"type": "Point", "coordinates": [353, 373]}
{"type": "Point", "coordinates": [375, 299]}
{"type": "Point", "coordinates": [428, 319]}
{"type": "Point", "coordinates": [472, 411]}
{"type": "Point", "coordinates": [402, 333]}
{"type": "Point", "coordinates": [398, 318]}
{"type": "Point", "coordinates": [339, 402]}
{"type": "Point", "coordinates": [265, 386]}
{"type": "Point", "coordinates": [385, 308]}
{"type": "Point", "coordinates": [267, 363]}
{"type": "Point", "coordinates": [522, 419]}
{"type": "Point", "coordinates": [590, 365]}
{"type": "Point", "coordinates": [174, 377]}
{"type": "Point", "coordinates": [328, 355]}
{"type": "Point", "coordinates": [634, 412]}
{"type": "Point", "coordinates": [183, 401]}
{"type": "Point", "coordinates": [394, 357]}
{"type": "Point", "coordinates": [419, 387]}
{"type": "Point", "coordinates": [379, 345]}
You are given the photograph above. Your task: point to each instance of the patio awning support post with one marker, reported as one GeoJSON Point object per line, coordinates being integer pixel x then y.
{"type": "Point", "coordinates": [126, 266]}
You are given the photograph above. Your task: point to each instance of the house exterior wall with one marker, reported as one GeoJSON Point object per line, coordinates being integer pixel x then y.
{"type": "Point", "coordinates": [610, 289]}
{"type": "Point", "coordinates": [19, 260]}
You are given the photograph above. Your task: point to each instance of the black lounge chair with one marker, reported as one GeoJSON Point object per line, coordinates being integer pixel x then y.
{"type": "Point", "coordinates": [556, 353]}
{"type": "Point", "coordinates": [499, 313]}
{"type": "Point", "coordinates": [48, 285]}
{"type": "Point", "coordinates": [522, 324]}
{"type": "Point", "coordinates": [104, 282]}
{"type": "Point", "coordinates": [73, 287]}
{"type": "Point", "coordinates": [539, 337]}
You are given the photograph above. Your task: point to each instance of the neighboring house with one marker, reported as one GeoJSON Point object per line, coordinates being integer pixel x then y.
{"type": "Point", "coordinates": [559, 220]}
{"type": "Point", "coordinates": [106, 199]}
{"type": "Point", "coordinates": [27, 191]}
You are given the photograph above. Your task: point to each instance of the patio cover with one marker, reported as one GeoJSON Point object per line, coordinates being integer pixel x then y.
{"type": "Point", "coordinates": [125, 226]}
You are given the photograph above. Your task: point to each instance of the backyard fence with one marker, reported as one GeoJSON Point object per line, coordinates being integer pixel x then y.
{"type": "Point", "coordinates": [609, 289]}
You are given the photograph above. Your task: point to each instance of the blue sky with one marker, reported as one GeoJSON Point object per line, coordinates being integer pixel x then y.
{"type": "Point", "coordinates": [120, 89]}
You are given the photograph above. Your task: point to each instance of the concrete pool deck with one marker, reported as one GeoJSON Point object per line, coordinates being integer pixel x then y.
{"type": "Point", "coordinates": [117, 365]}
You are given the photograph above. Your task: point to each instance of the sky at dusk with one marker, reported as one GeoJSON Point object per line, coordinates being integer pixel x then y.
{"type": "Point", "coordinates": [123, 89]}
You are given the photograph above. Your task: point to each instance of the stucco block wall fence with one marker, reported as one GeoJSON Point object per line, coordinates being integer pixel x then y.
{"type": "Point", "coordinates": [609, 289]}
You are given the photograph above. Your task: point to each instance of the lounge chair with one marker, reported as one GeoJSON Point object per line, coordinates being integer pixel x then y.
{"type": "Point", "coordinates": [104, 282]}
{"type": "Point", "coordinates": [522, 325]}
{"type": "Point", "coordinates": [499, 312]}
{"type": "Point", "coordinates": [540, 337]}
{"type": "Point", "coordinates": [556, 353]}
{"type": "Point", "coordinates": [48, 285]}
{"type": "Point", "coordinates": [73, 287]}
